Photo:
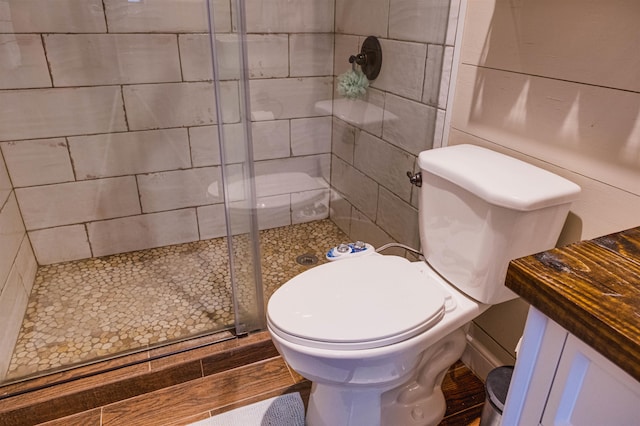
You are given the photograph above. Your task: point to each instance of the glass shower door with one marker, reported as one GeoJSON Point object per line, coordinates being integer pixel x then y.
{"type": "Point", "coordinates": [231, 87]}
{"type": "Point", "coordinates": [113, 150]}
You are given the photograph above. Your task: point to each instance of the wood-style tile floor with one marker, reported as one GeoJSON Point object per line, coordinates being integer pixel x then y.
{"type": "Point", "coordinates": [183, 388]}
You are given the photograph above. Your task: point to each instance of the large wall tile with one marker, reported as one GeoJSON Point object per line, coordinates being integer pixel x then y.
{"type": "Point", "coordinates": [445, 78]}
{"type": "Point", "coordinates": [166, 16]}
{"type": "Point", "coordinates": [403, 68]}
{"type": "Point", "coordinates": [37, 16]}
{"type": "Point", "coordinates": [17, 272]}
{"type": "Point", "coordinates": [344, 47]}
{"type": "Point", "coordinates": [211, 221]}
{"type": "Point", "coordinates": [60, 244]}
{"type": "Point", "coordinates": [47, 113]}
{"type": "Point", "coordinates": [432, 74]}
{"type": "Point", "coordinates": [118, 154]}
{"type": "Point", "coordinates": [289, 97]}
{"type": "Point", "coordinates": [204, 142]}
{"type": "Point", "coordinates": [267, 56]}
{"type": "Point", "coordinates": [77, 202]}
{"type": "Point", "coordinates": [273, 212]}
{"type": "Point", "coordinates": [38, 162]}
{"type": "Point", "coordinates": [22, 62]}
{"type": "Point", "coordinates": [385, 163]}
{"type": "Point", "coordinates": [13, 303]}
{"type": "Point", "coordinates": [296, 174]}
{"type": "Point", "coordinates": [398, 218]}
{"type": "Point", "coordinates": [364, 229]}
{"type": "Point", "coordinates": [340, 211]}
{"type": "Point", "coordinates": [195, 56]}
{"type": "Point", "coordinates": [419, 20]}
{"type": "Point", "coordinates": [310, 54]}
{"type": "Point", "coordinates": [153, 106]}
{"type": "Point", "coordinates": [26, 264]}
{"type": "Point", "coordinates": [311, 135]}
{"type": "Point", "coordinates": [343, 140]}
{"type": "Point", "coordinates": [357, 188]}
{"type": "Point", "coordinates": [286, 16]}
{"type": "Point", "coordinates": [270, 139]}
{"type": "Point", "coordinates": [205, 149]}
{"type": "Point", "coordinates": [101, 59]}
{"type": "Point", "coordinates": [413, 128]}
{"type": "Point", "coordinates": [5, 182]}
{"type": "Point", "coordinates": [143, 232]}
{"type": "Point", "coordinates": [362, 17]}
{"type": "Point", "coordinates": [238, 183]}
{"type": "Point", "coordinates": [11, 234]}
{"type": "Point", "coordinates": [309, 206]}
{"type": "Point", "coordinates": [179, 189]}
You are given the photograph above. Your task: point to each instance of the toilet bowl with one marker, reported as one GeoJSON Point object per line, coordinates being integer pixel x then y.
{"type": "Point", "coordinates": [376, 334]}
{"type": "Point", "coordinates": [376, 352]}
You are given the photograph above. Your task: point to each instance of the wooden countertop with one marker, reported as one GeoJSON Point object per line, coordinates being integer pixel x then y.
{"type": "Point", "coordinates": [592, 289]}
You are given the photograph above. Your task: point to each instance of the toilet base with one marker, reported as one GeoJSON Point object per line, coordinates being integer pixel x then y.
{"type": "Point", "coordinates": [420, 400]}
{"type": "Point", "coordinates": [417, 401]}
{"type": "Point", "coordinates": [334, 406]}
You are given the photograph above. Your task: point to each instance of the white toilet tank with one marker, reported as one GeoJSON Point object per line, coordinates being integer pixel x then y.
{"type": "Point", "coordinates": [480, 209]}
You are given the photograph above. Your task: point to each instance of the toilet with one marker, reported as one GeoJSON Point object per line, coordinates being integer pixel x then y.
{"type": "Point", "coordinates": [376, 334]}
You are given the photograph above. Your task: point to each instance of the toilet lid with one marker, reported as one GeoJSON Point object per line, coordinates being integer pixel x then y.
{"type": "Point", "coordinates": [359, 303]}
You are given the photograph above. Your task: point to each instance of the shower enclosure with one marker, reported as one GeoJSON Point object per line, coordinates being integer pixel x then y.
{"type": "Point", "coordinates": [135, 176]}
{"type": "Point", "coordinates": [164, 162]}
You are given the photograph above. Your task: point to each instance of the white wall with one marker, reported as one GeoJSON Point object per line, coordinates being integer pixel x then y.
{"type": "Point", "coordinates": [556, 84]}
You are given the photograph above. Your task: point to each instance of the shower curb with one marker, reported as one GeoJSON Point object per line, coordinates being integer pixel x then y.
{"type": "Point", "coordinates": [142, 374]}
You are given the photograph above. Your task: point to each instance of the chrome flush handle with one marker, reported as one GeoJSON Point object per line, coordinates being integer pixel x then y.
{"type": "Point", "coordinates": [415, 179]}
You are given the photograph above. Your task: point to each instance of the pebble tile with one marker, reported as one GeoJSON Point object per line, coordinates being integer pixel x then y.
{"type": "Point", "coordinates": [87, 310]}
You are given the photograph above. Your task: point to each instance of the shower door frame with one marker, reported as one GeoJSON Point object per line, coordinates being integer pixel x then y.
{"type": "Point", "coordinates": [248, 316]}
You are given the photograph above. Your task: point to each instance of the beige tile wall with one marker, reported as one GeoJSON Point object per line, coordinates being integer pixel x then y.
{"type": "Point", "coordinates": [556, 84]}
{"type": "Point", "coordinates": [17, 269]}
{"type": "Point", "coordinates": [372, 199]}
{"type": "Point", "coordinates": [109, 130]}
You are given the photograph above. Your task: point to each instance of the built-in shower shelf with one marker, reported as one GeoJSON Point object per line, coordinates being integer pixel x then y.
{"type": "Point", "coordinates": [355, 111]}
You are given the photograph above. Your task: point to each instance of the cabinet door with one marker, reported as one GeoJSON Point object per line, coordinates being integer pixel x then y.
{"type": "Point", "coordinates": [536, 366]}
{"type": "Point", "coordinates": [590, 390]}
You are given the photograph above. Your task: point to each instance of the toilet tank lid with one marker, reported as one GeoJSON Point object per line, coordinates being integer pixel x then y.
{"type": "Point", "coordinates": [498, 179]}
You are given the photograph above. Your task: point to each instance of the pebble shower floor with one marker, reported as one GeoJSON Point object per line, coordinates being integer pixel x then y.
{"type": "Point", "coordinates": [88, 309]}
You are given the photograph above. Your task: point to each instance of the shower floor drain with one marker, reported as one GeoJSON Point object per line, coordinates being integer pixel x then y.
{"type": "Point", "coordinates": [307, 259]}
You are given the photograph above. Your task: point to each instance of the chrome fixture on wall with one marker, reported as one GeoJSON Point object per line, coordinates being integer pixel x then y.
{"type": "Point", "coordinates": [415, 179]}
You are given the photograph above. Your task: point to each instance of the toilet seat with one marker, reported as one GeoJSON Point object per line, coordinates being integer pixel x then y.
{"type": "Point", "coordinates": [359, 303]}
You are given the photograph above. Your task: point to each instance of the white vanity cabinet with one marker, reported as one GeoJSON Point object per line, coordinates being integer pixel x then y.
{"type": "Point", "coordinates": [560, 380]}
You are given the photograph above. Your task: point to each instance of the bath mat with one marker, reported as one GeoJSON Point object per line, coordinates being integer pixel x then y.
{"type": "Point", "coordinates": [284, 410]}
